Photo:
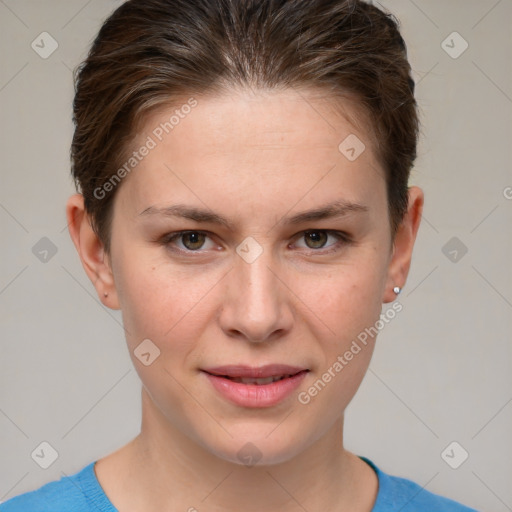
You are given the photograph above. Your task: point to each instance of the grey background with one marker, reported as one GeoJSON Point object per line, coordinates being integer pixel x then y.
{"type": "Point", "coordinates": [442, 370]}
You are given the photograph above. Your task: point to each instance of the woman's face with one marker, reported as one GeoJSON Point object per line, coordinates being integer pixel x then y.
{"type": "Point", "coordinates": [269, 284]}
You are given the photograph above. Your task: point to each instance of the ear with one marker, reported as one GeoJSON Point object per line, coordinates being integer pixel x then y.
{"type": "Point", "coordinates": [403, 244]}
{"type": "Point", "coordinates": [90, 249]}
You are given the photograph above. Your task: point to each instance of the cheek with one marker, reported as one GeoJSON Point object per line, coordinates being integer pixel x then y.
{"type": "Point", "coordinates": [161, 302]}
{"type": "Point", "coordinates": [349, 305]}
{"type": "Point", "coordinates": [348, 299]}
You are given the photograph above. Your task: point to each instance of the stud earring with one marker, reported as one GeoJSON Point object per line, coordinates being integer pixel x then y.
{"type": "Point", "coordinates": [397, 289]}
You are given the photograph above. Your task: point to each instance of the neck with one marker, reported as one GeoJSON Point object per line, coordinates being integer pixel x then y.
{"type": "Point", "coordinates": [164, 469]}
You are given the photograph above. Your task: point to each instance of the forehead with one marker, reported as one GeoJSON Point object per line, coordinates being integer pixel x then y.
{"type": "Point", "coordinates": [284, 141]}
{"type": "Point", "coordinates": [262, 118]}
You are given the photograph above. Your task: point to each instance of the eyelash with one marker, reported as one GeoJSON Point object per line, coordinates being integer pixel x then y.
{"type": "Point", "coordinates": [344, 239]}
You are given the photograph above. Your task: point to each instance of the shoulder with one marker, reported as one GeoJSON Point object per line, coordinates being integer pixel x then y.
{"type": "Point", "coordinates": [79, 492]}
{"type": "Point", "coordinates": [397, 493]}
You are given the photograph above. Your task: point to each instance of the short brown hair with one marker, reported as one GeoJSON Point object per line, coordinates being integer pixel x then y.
{"type": "Point", "coordinates": [148, 53]}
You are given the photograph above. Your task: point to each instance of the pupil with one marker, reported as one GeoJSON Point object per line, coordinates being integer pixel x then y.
{"type": "Point", "coordinates": [317, 236]}
{"type": "Point", "coordinates": [195, 238]}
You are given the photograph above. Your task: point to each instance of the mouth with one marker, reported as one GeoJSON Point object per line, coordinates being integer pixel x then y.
{"type": "Point", "coordinates": [255, 387]}
{"type": "Point", "coordinates": [257, 381]}
{"type": "Point", "coordinates": [255, 375]}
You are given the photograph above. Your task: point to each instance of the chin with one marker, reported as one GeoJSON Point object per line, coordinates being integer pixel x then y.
{"type": "Point", "coordinates": [257, 448]}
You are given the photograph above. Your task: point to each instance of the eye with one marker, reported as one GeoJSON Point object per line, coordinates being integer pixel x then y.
{"type": "Point", "coordinates": [192, 241]}
{"type": "Point", "coordinates": [197, 241]}
{"type": "Point", "coordinates": [317, 238]}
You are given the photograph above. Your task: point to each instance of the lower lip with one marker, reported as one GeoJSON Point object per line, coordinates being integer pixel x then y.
{"type": "Point", "coordinates": [254, 395]}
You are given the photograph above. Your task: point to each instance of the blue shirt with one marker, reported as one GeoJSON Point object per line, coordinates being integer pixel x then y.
{"type": "Point", "coordinates": [81, 492]}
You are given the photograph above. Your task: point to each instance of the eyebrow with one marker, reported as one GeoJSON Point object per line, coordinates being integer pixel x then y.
{"type": "Point", "coordinates": [335, 209]}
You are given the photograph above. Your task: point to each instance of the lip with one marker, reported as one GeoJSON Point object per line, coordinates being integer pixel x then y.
{"type": "Point", "coordinates": [255, 395]}
{"type": "Point", "coordinates": [240, 370]}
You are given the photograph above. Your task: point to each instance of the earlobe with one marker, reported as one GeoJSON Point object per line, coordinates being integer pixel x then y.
{"type": "Point", "coordinates": [90, 249]}
{"type": "Point", "coordinates": [403, 246]}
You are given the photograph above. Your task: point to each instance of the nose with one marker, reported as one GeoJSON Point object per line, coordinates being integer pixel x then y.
{"type": "Point", "coordinates": [257, 302]}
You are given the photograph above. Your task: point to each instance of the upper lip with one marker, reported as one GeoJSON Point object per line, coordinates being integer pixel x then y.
{"type": "Point", "coordinates": [269, 370]}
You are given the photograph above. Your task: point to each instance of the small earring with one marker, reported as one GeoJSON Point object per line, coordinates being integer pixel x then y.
{"type": "Point", "coordinates": [397, 289]}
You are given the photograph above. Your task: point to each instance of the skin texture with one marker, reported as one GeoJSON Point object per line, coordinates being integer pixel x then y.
{"type": "Point", "coordinates": [256, 158]}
